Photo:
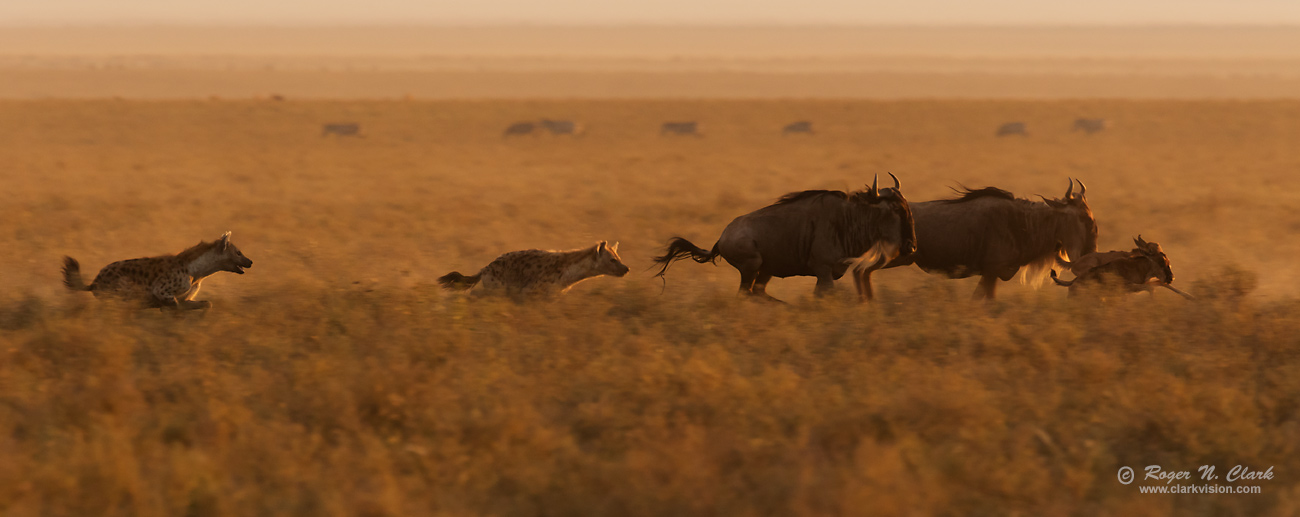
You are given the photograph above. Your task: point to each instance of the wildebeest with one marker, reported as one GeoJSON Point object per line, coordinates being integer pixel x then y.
{"type": "Point", "coordinates": [1013, 128]}
{"type": "Point", "coordinates": [520, 128]}
{"type": "Point", "coordinates": [1090, 125]}
{"type": "Point", "coordinates": [680, 128]}
{"type": "Point", "coordinates": [344, 129]}
{"type": "Point", "coordinates": [991, 233]}
{"type": "Point", "coordinates": [802, 126]}
{"type": "Point", "coordinates": [1142, 269]}
{"type": "Point", "coordinates": [817, 233]}
{"type": "Point", "coordinates": [541, 272]}
{"type": "Point", "coordinates": [561, 127]}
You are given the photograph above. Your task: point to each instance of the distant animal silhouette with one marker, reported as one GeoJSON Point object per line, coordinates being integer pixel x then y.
{"type": "Point", "coordinates": [802, 126]}
{"type": "Point", "coordinates": [345, 129]}
{"type": "Point", "coordinates": [1013, 128]}
{"type": "Point", "coordinates": [680, 128]}
{"type": "Point", "coordinates": [520, 128]}
{"type": "Point", "coordinates": [1090, 125]}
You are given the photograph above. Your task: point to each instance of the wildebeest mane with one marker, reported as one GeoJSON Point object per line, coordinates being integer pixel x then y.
{"type": "Point", "coordinates": [793, 197]}
{"type": "Point", "coordinates": [809, 194]}
{"type": "Point", "coordinates": [856, 232]}
{"type": "Point", "coordinates": [967, 194]}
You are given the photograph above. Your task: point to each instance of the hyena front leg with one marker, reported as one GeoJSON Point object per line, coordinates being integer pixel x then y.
{"type": "Point", "coordinates": [183, 302]}
{"type": "Point", "coordinates": [177, 304]}
{"type": "Point", "coordinates": [191, 305]}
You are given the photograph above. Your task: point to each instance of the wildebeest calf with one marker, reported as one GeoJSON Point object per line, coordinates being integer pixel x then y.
{"type": "Point", "coordinates": [1142, 269]}
{"type": "Point", "coordinates": [541, 272]}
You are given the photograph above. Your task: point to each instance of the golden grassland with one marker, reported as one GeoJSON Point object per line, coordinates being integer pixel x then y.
{"type": "Point", "coordinates": [335, 378]}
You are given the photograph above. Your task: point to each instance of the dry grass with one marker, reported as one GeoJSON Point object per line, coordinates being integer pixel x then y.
{"type": "Point", "coordinates": [335, 379]}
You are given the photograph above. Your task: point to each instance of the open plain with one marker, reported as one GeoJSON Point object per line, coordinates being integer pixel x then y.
{"type": "Point", "coordinates": [336, 378]}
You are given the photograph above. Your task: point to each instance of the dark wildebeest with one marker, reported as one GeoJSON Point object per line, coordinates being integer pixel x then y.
{"type": "Point", "coordinates": [1090, 125]}
{"type": "Point", "coordinates": [520, 128]}
{"type": "Point", "coordinates": [802, 126]}
{"type": "Point", "coordinates": [990, 233]}
{"type": "Point", "coordinates": [347, 129]}
{"type": "Point", "coordinates": [680, 128]}
{"type": "Point", "coordinates": [1013, 128]}
{"type": "Point", "coordinates": [817, 233]}
{"type": "Point", "coordinates": [561, 127]}
{"type": "Point", "coordinates": [1143, 269]}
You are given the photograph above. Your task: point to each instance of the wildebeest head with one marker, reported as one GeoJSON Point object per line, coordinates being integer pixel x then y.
{"type": "Point", "coordinates": [894, 210]}
{"type": "Point", "coordinates": [1159, 261]}
{"type": "Point", "coordinates": [1075, 225]}
{"type": "Point", "coordinates": [607, 261]}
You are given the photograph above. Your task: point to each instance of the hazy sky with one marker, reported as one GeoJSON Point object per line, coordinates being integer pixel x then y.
{"type": "Point", "coordinates": [945, 12]}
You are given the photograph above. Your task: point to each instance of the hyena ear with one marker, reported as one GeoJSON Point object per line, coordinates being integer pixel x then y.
{"type": "Point", "coordinates": [224, 241]}
{"type": "Point", "coordinates": [614, 248]}
{"type": "Point", "coordinates": [600, 248]}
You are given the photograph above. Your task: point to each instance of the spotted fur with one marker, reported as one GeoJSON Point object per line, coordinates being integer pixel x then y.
{"type": "Point", "coordinates": [168, 281]}
{"type": "Point", "coordinates": [539, 272]}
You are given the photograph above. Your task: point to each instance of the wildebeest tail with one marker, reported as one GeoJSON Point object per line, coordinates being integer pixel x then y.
{"type": "Point", "coordinates": [1061, 282]}
{"type": "Point", "coordinates": [458, 282]}
{"type": "Point", "coordinates": [679, 248]}
{"type": "Point", "coordinates": [72, 275]}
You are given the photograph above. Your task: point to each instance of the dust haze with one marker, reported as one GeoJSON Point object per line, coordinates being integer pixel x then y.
{"type": "Point", "coordinates": [336, 378]}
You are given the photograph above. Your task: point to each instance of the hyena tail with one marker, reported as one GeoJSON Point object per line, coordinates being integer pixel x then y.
{"type": "Point", "coordinates": [679, 248]}
{"type": "Point", "coordinates": [458, 282]}
{"type": "Point", "coordinates": [72, 275]}
{"type": "Point", "coordinates": [1061, 282]}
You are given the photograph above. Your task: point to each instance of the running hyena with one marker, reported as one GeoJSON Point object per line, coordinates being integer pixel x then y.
{"type": "Point", "coordinates": [541, 271]}
{"type": "Point", "coordinates": [169, 281]}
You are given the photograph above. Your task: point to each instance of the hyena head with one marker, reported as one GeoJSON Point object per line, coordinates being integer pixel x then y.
{"type": "Point", "coordinates": [229, 257]}
{"type": "Point", "coordinates": [607, 260]}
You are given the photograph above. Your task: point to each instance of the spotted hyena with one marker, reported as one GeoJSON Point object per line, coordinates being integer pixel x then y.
{"type": "Point", "coordinates": [541, 271]}
{"type": "Point", "coordinates": [168, 282]}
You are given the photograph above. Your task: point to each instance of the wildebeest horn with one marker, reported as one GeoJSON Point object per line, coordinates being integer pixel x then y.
{"type": "Point", "coordinates": [1083, 189]}
{"type": "Point", "coordinates": [874, 189]}
{"type": "Point", "coordinates": [897, 186]}
{"type": "Point", "coordinates": [1070, 190]}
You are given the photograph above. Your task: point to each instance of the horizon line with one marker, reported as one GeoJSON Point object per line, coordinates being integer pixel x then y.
{"type": "Point", "coordinates": [142, 24]}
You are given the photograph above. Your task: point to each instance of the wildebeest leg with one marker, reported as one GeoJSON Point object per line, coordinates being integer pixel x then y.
{"type": "Point", "coordinates": [748, 261]}
{"type": "Point", "coordinates": [988, 283]}
{"type": "Point", "coordinates": [760, 287]}
{"type": "Point", "coordinates": [748, 274]}
{"type": "Point", "coordinates": [825, 281]}
{"type": "Point", "coordinates": [747, 283]}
